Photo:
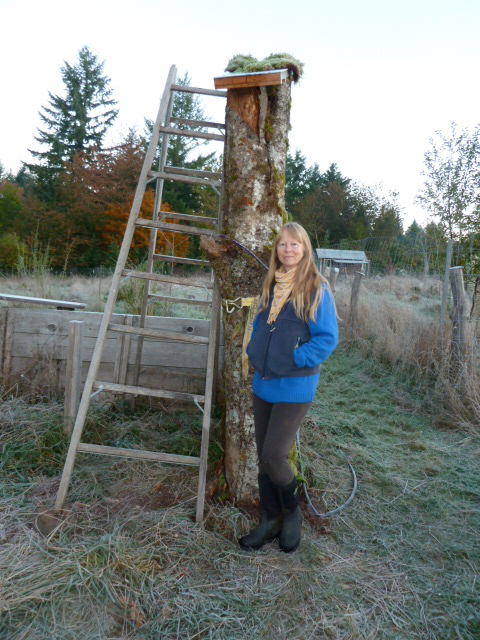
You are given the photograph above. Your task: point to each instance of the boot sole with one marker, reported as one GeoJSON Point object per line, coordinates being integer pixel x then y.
{"type": "Point", "coordinates": [246, 547]}
{"type": "Point", "coordinates": [290, 550]}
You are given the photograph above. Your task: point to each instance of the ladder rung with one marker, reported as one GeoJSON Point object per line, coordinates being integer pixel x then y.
{"type": "Point", "coordinates": [175, 228]}
{"type": "Point", "coordinates": [215, 175]}
{"type": "Point", "coordinates": [159, 277]}
{"type": "Point", "coordinates": [189, 217]}
{"type": "Point", "coordinates": [138, 454]}
{"type": "Point", "coordinates": [180, 300]}
{"type": "Point", "coordinates": [159, 335]}
{"type": "Point", "coordinates": [188, 179]}
{"type": "Point", "coordinates": [144, 391]}
{"type": "Point", "coordinates": [205, 92]}
{"type": "Point", "coordinates": [198, 123]}
{"type": "Point", "coordinates": [172, 131]}
{"type": "Point", "coordinates": [193, 261]}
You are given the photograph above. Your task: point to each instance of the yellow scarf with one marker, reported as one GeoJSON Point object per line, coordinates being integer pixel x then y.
{"type": "Point", "coordinates": [283, 288]}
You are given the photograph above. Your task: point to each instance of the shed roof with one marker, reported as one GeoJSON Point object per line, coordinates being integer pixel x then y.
{"type": "Point", "coordinates": [342, 255]}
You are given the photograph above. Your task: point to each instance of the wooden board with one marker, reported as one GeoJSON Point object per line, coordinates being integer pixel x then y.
{"type": "Point", "coordinates": [254, 79]}
{"type": "Point", "coordinates": [38, 342]}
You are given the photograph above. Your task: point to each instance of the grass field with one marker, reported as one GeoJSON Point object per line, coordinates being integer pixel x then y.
{"type": "Point", "coordinates": [402, 561]}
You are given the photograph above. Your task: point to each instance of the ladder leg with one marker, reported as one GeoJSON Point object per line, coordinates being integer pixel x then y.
{"type": "Point", "coordinates": [112, 296]}
{"type": "Point", "coordinates": [207, 409]}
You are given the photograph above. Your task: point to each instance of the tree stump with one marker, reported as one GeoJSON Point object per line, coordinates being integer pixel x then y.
{"type": "Point", "coordinates": [257, 125]}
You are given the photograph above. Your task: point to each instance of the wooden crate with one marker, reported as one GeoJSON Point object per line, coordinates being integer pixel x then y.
{"type": "Point", "coordinates": [30, 336]}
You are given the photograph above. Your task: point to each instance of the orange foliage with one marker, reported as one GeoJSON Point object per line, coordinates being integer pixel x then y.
{"type": "Point", "coordinates": [114, 223]}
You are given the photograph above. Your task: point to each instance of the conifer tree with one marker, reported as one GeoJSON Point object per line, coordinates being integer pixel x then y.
{"type": "Point", "coordinates": [74, 122]}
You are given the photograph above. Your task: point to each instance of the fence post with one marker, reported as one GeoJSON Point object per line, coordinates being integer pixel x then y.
{"type": "Point", "coordinates": [332, 278]}
{"type": "Point", "coordinates": [448, 262]}
{"type": "Point", "coordinates": [460, 327]}
{"type": "Point", "coordinates": [354, 298]}
{"type": "Point", "coordinates": [73, 374]}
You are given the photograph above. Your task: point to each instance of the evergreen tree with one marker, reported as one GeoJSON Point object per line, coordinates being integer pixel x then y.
{"type": "Point", "coordinates": [299, 179]}
{"type": "Point", "coordinates": [75, 122]}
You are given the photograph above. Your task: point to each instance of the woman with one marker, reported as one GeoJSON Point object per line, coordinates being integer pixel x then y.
{"type": "Point", "coordinates": [294, 332]}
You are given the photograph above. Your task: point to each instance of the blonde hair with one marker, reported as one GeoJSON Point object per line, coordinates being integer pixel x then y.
{"type": "Point", "coordinates": [307, 290]}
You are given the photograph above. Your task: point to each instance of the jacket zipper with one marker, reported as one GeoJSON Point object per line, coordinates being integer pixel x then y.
{"type": "Point", "coordinates": [266, 351]}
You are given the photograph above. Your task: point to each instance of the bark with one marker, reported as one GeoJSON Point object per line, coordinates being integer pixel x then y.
{"type": "Point", "coordinates": [257, 124]}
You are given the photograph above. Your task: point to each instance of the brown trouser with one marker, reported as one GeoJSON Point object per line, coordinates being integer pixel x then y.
{"type": "Point", "coordinates": [275, 428]}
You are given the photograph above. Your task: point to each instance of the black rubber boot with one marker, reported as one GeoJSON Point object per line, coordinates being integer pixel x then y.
{"type": "Point", "coordinates": [270, 523]}
{"type": "Point", "coordinates": [292, 518]}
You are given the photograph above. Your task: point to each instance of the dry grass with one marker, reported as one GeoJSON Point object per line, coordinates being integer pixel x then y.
{"type": "Point", "coordinates": [401, 562]}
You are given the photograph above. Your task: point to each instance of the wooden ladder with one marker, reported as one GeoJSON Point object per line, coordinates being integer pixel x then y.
{"type": "Point", "coordinates": [92, 385]}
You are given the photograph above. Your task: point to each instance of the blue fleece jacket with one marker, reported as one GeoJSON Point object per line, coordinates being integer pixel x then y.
{"type": "Point", "coordinates": [299, 357]}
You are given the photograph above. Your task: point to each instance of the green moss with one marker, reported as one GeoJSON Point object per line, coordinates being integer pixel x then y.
{"type": "Point", "coordinates": [268, 128]}
{"type": "Point", "coordinates": [249, 64]}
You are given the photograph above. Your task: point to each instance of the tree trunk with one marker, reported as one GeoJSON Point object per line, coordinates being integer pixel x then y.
{"type": "Point", "coordinates": [257, 124]}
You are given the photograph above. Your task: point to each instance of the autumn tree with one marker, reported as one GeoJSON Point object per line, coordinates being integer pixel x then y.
{"type": "Point", "coordinates": [114, 223]}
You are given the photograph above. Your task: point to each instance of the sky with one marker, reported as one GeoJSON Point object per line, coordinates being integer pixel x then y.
{"type": "Point", "coordinates": [381, 76]}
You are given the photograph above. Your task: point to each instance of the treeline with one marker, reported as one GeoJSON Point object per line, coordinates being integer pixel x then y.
{"type": "Point", "coordinates": [73, 201]}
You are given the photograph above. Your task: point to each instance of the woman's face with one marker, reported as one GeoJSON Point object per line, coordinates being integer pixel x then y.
{"type": "Point", "coordinates": [289, 251]}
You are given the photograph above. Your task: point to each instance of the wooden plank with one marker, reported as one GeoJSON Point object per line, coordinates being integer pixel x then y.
{"type": "Point", "coordinates": [210, 175]}
{"type": "Point", "coordinates": [8, 344]}
{"type": "Point", "coordinates": [172, 131]}
{"type": "Point", "coordinates": [122, 376]}
{"type": "Point", "coordinates": [143, 391]}
{"type": "Point", "coordinates": [254, 78]}
{"type": "Point", "coordinates": [3, 328]}
{"type": "Point", "coordinates": [158, 257]}
{"type": "Point", "coordinates": [198, 123]}
{"type": "Point", "coordinates": [38, 322]}
{"type": "Point", "coordinates": [209, 385]}
{"type": "Point", "coordinates": [203, 182]}
{"type": "Point", "coordinates": [176, 228]}
{"type": "Point", "coordinates": [250, 84]}
{"type": "Point", "coordinates": [138, 454]}
{"type": "Point", "coordinates": [204, 92]}
{"type": "Point", "coordinates": [59, 304]}
{"type": "Point", "coordinates": [173, 300]}
{"type": "Point", "coordinates": [168, 354]}
{"type": "Point", "coordinates": [191, 218]}
{"type": "Point", "coordinates": [159, 277]}
{"type": "Point", "coordinates": [73, 375]}
{"type": "Point", "coordinates": [158, 335]}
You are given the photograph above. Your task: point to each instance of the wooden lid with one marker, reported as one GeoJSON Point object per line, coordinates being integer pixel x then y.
{"type": "Point", "coordinates": [254, 79]}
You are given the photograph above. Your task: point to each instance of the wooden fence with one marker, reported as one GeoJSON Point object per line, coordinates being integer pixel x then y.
{"type": "Point", "coordinates": [37, 339]}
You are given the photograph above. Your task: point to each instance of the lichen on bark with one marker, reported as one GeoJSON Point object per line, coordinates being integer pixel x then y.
{"type": "Point", "coordinates": [257, 125]}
